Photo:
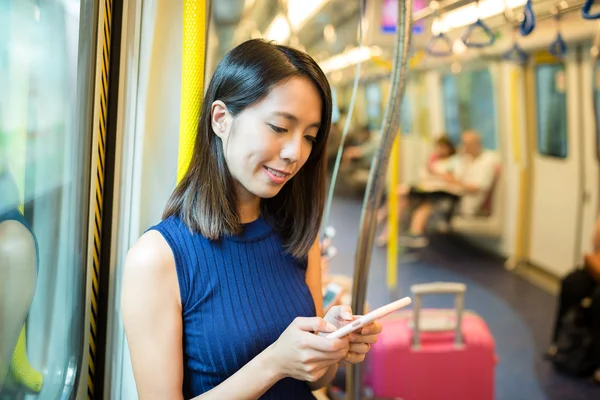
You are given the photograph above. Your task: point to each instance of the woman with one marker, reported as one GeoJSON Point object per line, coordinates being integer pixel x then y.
{"type": "Point", "coordinates": [428, 190]}
{"type": "Point", "coordinates": [222, 298]}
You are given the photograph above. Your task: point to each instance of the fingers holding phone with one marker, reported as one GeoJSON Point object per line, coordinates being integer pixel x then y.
{"type": "Point", "coordinates": [300, 354]}
{"type": "Point", "coordinates": [361, 341]}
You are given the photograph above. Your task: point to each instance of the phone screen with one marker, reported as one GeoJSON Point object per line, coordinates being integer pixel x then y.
{"type": "Point", "coordinates": [329, 297]}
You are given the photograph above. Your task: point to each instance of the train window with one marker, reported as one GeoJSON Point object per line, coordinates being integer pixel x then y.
{"type": "Point", "coordinates": [44, 187]}
{"type": "Point", "coordinates": [551, 110]}
{"type": "Point", "coordinates": [451, 115]}
{"type": "Point", "coordinates": [469, 104]}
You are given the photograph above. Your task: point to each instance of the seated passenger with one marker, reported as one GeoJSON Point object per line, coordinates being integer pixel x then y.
{"type": "Point", "coordinates": [469, 179]}
{"type": "Point", "coordinates": [579, 297]}
{"type": "Point", "coordinates": [440, 164]}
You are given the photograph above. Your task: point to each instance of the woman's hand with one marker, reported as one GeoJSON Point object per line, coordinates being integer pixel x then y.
{"type": "Point", "coordinates": [302, 355]}
{"type": "Point", "coordinates": [360, 341]}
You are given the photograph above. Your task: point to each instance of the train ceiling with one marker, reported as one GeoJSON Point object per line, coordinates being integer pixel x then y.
{"type": "Point", "coordinates": [328, 29]}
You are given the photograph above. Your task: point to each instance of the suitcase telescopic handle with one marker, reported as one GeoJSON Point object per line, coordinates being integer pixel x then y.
{"type": "Point", "coordinates": [422, 289]}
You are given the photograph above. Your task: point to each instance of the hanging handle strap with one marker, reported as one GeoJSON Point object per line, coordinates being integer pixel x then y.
{"type": "Point", "coordinates": [467, 37]}
{"type": "Point", "coordinates": [558, 47]}
{"type": "Point", "coordinates": [528, 24]}
{"type": "Point", "coordinates": [434, 42]}
{"type": "Point", "coordinates": [516, 54]}
{"type": "Point", "coordinates": [585, 10]}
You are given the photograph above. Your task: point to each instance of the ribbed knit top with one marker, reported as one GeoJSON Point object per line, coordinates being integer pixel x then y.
{"type": "Point", "coordinates": [238, 295]}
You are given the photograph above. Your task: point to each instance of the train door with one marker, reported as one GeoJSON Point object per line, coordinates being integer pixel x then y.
{"type": "Point", "coordinates": [556, 163]}
{"type": "Point", "coordinates": [590, 86]}
{"type": "Point", "coordinates": [48, 145]}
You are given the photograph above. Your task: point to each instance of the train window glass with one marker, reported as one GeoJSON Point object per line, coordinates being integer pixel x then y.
{"type": "Point", "coordinates": [551, 110]}
{"type": "Point", "coordinates": [45, 62]}
{"type": "Point", "coordinates": [469, 104]}
{"type": "Point", "coordinates": [451, 111]}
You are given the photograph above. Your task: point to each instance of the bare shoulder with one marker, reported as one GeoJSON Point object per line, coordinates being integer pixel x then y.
{"type": "Point", "coordinates": [151, 250]}
{"type": "Point", "coordinates": [150, 265]}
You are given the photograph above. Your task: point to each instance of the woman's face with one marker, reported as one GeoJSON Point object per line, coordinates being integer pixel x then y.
{"type": "Point", "coordinates": [266, 144]}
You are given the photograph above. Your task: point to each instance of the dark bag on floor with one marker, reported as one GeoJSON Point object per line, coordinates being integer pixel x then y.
{"type": "Point", "coordinates": [574, 344]}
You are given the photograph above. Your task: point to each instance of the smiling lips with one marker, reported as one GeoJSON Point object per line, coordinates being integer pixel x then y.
{"type": "Point", "coordinates": [276, 176]}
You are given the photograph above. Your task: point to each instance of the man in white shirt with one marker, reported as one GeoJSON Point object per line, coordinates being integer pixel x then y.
{"type": "Point", "coordinates": [472, 179]}
{"type": "Point", "coordinates": [474, 174]}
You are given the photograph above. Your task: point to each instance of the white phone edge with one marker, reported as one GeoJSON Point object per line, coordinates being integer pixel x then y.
{"type": "Point", "coordinates": [370, 317]}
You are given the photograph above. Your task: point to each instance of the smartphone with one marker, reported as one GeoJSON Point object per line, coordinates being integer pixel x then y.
{"type": "Point", "coordinates": [370, 317]}
{"type": "Point", "coordinates": [332, 292]}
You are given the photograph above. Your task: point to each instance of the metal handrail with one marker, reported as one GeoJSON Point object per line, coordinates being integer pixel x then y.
{"type": "Point", "coordinates": [376, 182]}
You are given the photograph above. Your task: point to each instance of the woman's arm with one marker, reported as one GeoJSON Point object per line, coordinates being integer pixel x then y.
{"type": "Point", "coordinates": [313, 280]}
{"type": "Point", "coordinates": [248, 383]}
{"type": "Point", "coordinates": [151, 307]}
{"type": "Point", "coordinates": [151, 310]}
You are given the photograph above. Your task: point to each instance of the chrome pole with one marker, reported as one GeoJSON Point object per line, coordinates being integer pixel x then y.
{"type": "Point", "coordinates": [376, 182]}
{"type": "Point", "coordinates": [338, 158]}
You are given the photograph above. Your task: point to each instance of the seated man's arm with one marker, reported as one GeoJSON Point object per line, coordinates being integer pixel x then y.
{"type": "Point", "coordinates": [482, 181]}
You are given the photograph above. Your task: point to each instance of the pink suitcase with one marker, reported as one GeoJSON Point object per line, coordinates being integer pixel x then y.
{"type": "Point", "coordinates": [433, 354]}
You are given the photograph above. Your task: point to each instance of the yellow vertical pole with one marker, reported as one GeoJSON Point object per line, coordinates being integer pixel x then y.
{"type": "Point", "coordinates": [530, 146]}
{"type": "Point", "coordinates": [192, 80]}
{"type": "Point", "coordinates": [392, 248]}
{"type": "Point", "coordinates": [516, 139]}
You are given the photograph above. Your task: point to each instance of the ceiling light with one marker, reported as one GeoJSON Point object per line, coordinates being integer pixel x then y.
{"type": "Point", "coordinates": [329, 34]}
{"type": "Point", "coordinates": [349, 57]}
{"type": "Point", "coordinates": [468, 14]}
{"type": "Point", "coordinates": [279, 30]}
{"type": "Point", "coordinates": [299, 11]}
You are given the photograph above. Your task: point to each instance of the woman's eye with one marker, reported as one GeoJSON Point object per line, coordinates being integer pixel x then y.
{"type": "Point", "coordinates": [311, 139]}
{"type": "Point", "coordinates": [277, 129]}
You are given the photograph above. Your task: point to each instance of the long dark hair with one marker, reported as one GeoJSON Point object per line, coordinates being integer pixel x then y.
{"type": "Point", "coordinates": [445, 141]}
{"type": "Point", "coordinates": [205, 199]}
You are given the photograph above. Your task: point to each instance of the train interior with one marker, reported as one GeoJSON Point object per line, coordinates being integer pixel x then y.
{"type": "Point", "coordinates": [90, 119]}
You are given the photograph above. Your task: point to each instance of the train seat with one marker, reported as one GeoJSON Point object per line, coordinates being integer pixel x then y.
{"type": "Point", "coordinates": [489, 221]}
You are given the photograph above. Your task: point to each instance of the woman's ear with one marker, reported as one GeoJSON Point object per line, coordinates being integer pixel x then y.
{"type": "Point", "coordinates": [220, 119]}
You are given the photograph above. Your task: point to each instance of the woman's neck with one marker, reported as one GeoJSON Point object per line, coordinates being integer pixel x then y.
{"type": "Point", "coordinates": [248, 214]}
{"type": "Point", "coordinates": [248, 206]}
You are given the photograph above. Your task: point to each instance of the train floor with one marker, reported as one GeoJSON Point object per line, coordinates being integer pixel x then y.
{"type": "Point", "coordinates": [519, 314]}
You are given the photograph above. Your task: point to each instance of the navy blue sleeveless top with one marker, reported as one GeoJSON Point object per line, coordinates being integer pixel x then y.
{"type": "Point", "coordinates": [238, 295]}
